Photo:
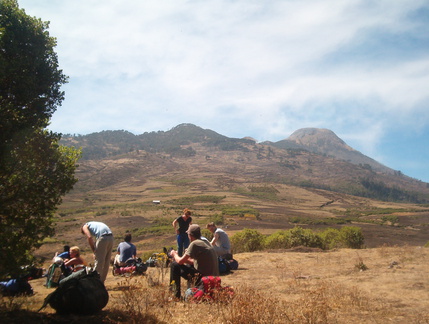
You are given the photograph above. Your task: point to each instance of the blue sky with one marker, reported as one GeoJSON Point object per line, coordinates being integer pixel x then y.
{"type": "Point", "coordinates": [249, 68]}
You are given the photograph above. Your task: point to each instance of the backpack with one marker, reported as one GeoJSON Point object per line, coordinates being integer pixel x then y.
{"type": "Point", "coordinates": [223, 265]}
{"type": "Point", "coordinates": [141, 266]}
{"type": "Point", "coordinates": [16, 287]}
{"type": "Point", "coordinates": [226, 265]}
{"type": "Point", "coordinates": [207, 290]}
{"type": "Point", "coordinates": [54, 275]}
{"type": "Point", "coordinates": [133, 266]}
{"type": "Point", "coordinates": [81, 293]}
{"type": "Point", "coordinates": [232, 264]}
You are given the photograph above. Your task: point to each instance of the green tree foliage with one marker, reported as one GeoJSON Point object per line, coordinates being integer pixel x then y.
{"type": "Point", "coordinates": [35, 172]}
{"type": "Point", "coordinates": [30, 80]}
{"type": "Point", "coordinates": [379, 190]}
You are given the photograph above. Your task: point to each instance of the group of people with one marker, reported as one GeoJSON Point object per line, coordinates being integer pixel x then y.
{"type": "Point", "coordinates": [100, 239]}
{"type": "Point", "coordinates": [194, 258]}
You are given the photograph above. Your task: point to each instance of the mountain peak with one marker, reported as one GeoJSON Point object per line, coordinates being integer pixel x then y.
{"type": "Point", "coordinates": [326, 142]}
{"type": "Point", "coordinates": [318, 139]}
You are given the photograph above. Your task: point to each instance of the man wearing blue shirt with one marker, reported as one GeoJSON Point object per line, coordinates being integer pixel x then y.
{"type": "Point", "coordinates": [102, 247]}
{"type": "Point", "coordinates": [126, 250]}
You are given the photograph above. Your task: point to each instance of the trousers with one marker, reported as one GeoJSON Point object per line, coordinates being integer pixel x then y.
{"type": "Point", "coordinates": [185, 271]}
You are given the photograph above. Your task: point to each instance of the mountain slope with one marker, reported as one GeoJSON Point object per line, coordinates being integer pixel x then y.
{"type": "Point", "coordinates": [310, 158]}
{"type": "Point", "coordinates": [326, 142]}
{"type": "Point", "coordinates": [174, 142]}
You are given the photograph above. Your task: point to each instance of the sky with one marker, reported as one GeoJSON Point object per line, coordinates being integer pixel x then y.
{"type": "Point", "coordinates": [247, 68]}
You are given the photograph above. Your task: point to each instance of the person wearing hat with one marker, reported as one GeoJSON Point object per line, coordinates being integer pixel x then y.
{"type": "Point", "coordinates": [199, 260]}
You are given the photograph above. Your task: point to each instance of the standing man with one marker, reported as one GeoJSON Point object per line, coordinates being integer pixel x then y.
{"type": "Point", "coordinates": [220, 241]}
{"type": "Point", "coordinates": [198, 261]}
{"type": "Point", "coordinates": [102, 247]}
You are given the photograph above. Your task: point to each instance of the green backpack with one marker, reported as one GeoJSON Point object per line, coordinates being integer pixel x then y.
{"type": "Point", "coordinates": [54, 275]}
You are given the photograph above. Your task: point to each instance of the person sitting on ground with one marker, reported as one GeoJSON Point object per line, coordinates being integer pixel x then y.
{"type": "Point", "coordinates": [220, 241]}
{"type": "Point", "coordinates": [60, 258]}
{"type": "Point", "coordinates": [125, 251]}
{"type": "Point", "coordinates": [199, 260]}
{"type": "Point", "coordinates": [75, 263]}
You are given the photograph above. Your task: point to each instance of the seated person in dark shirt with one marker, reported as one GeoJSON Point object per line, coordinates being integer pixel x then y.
{"type": "Point", "coordinates": [199, 260]}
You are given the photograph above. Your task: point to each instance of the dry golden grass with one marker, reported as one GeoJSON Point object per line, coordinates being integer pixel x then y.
{"type": "Point", "coordinates": [274, 287]}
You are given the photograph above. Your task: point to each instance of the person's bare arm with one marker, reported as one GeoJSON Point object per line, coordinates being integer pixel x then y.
{"type": "Point", "coordinates": [71, 262]}
{"type": "Point", "coordinates": [174, 225]}
{"type": "Point", "coordinates": [183, 259]}
{"type": "Point", "coordinates": [215, 238]}
{"type": "Point", "coordinates": [88, 235]}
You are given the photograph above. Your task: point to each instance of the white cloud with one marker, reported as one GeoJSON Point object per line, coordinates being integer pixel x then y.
{"type": "Point", "coordinates": [242, 68]}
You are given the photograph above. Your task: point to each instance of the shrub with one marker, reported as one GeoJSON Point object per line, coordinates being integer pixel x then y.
{"type": "Point", "coordinates": [278, 240]}
{"type": "Point", "coordinates": [304, 237]}
{"type": "Point", "coordinates": [217, 219]}
{"type": "Point", "coordinates": [391, 219]}
{"type": "Point", "coordinates": [352, 237]}
{"type": "Point", "coordinates": [331, 238]}
{"type": "Point", "coordinates": [247, 240]}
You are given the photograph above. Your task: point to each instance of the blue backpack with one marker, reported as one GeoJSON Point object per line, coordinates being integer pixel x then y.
{"type": "Point", "coordinates": [223, 265]}
{"type": "Point", "coordinates": [226, 265]}
{"type": "Point", "coordinates": [16, 287]}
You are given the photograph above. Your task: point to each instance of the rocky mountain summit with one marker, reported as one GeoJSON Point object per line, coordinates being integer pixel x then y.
{"type": "Point", "coordinates": [326, 142]}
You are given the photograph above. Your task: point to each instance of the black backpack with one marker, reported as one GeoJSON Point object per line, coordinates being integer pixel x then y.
{"type": "Point", "coordinates": [81, 293]}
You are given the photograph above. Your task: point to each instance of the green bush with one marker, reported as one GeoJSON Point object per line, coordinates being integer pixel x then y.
{"type": "Point", "coordinates": [247, 240]}
{"type": "Point", "coordinates": [250, 240]}
{"type": "Point", "coordinates": [331, 238]}
{"type": "Point", "coordinates": [352, 237]}
{"type": "Point", "coordinates": [278, 240]}
{"type": "Point", "coordinates": [304, 237]}
{"type": "Point", "coordinates": [217, 219]}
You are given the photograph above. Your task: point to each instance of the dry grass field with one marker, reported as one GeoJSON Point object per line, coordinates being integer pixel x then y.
{"type": "Point", "coordinates": [287, 286]}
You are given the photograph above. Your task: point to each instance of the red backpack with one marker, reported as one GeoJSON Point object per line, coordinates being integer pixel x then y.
{"type": "Point", "coordinates": [208, 290]}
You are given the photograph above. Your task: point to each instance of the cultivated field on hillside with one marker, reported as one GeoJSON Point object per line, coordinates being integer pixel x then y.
{"type": "Point", "coordinates": [233, 202]}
